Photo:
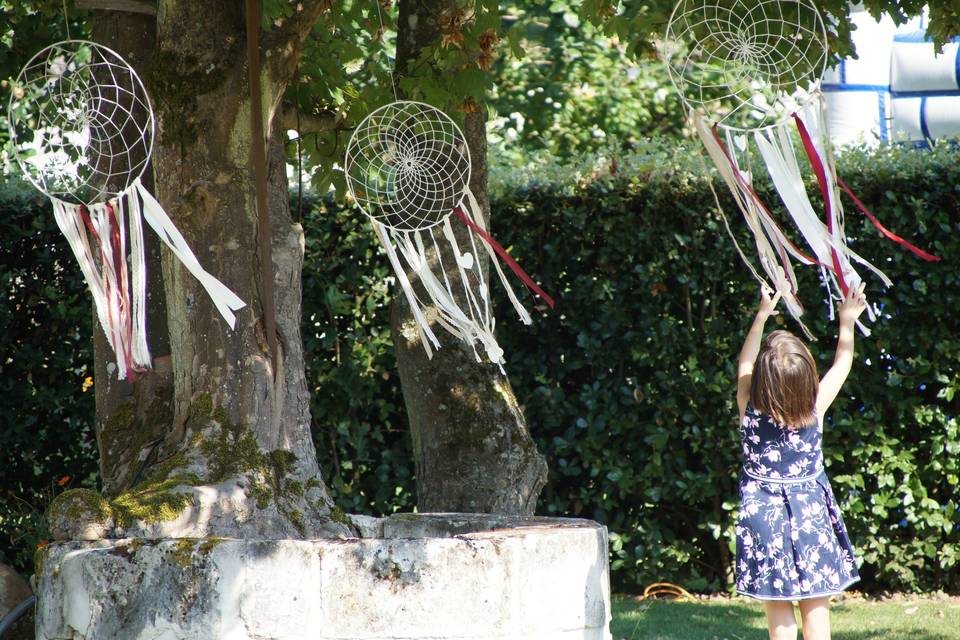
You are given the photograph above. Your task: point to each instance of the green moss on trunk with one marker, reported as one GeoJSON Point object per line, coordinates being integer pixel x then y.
{"type": "Point", "coordinates": [227, 450]}
{"type": "Point", "coordinates": [154, 501]}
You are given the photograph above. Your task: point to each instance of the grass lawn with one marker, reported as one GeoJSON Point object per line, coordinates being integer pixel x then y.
{"type": "Point", "coordinates": [902, 618]}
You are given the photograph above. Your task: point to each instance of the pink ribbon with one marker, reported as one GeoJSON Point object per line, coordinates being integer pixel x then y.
{"type": "Point", "coordinates": [516, 268]}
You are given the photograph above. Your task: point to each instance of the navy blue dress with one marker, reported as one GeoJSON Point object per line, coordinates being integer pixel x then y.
{"type": "Point", "coordinates": [791, 541]}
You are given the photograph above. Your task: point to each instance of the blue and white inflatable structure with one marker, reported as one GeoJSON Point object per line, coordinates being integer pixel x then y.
{"type": "Point", "coordinates": [897, 89]}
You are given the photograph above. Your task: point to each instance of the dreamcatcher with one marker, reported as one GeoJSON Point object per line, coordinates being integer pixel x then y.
{"type": "Point", "coordinates": [82, 129]}
{"type": "Point", "coordinates": [748, 71]}
{"type": "Point", "coordinates": [408, 165]}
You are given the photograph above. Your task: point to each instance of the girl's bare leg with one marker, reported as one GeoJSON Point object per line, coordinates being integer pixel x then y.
{"type": "Point", "coordinates": [781, 621]}
{"type": "Point", "coordinates": [816, 618]}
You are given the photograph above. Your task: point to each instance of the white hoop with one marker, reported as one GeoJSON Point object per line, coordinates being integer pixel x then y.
{"type": "Point", "coordinates": [764, 56]}
{"type": "Point", "coordinates": [81, 122]}
{"type": "Point", "coordinates": [408, 165]}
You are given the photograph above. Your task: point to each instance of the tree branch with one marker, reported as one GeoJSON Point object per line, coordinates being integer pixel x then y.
{"type": "Point", "coordinates": [128, 6]}
{"type": "Point", "coordinates": [308, 122]}
{"type": "Point", "coordinates": [286, 41]}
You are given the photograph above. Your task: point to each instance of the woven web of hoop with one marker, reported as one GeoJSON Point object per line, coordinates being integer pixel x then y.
{"type": "Point", "coordinates": [745, 63]}
{"type": "Point", "coordinates": [407, 165]}
{"type": "Point", "coordinates": [81, 122]}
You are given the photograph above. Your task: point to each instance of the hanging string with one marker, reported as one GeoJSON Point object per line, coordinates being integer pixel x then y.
{"type": "Point", "coordinates": [66, 19]}
{"type": "Point", "coordinates": [383, 30]}
{"type": "Point", "coordinates": [723, 215]}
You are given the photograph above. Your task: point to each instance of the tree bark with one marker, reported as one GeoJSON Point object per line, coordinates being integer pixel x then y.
{"type": "Point", "coordinates": [472, 449]}
{"type": "Point", "coordinates": [231, 454]}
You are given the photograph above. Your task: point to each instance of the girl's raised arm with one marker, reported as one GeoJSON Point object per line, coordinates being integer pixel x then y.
{"type": "Point", "coordinates": [850, 309]}
{"type": "Point", "coordinates": [751, 346]}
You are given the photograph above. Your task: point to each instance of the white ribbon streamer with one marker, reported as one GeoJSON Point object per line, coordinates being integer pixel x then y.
{"type": "Point", "coordinates": [225, 300]}
{"type": "Point", "coordinates": [473, 322]}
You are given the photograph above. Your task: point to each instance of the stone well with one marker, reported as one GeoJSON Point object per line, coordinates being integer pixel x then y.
{"type": "Point", "coordinates": [425, 576]}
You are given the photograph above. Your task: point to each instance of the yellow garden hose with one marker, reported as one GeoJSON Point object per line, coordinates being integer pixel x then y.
{"type": "Point", "coordinates": [675, 592]}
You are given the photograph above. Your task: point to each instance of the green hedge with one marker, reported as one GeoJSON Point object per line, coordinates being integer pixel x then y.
{"type": "Point", "coordinates": [46, 425]}
{"type": "Point", "coordinates": [628, 385]}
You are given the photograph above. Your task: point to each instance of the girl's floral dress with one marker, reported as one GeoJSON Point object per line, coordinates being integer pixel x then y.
{"type": "Point", "coordinates": [791, 541]}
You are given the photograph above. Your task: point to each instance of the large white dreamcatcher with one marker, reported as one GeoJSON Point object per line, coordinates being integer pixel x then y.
{"type": "Point", "coordinates": [82, 129]}
{"type": "Point", "coordinates": [748, 71]}
{"type": "Point", "coordinates": [408, 166]}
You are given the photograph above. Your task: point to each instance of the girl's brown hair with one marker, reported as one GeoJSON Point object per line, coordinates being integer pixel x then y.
{"type": "Point", "coordinates": [784, 384]}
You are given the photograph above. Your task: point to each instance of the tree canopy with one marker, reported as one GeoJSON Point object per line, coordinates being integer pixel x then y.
{"type": "Point", "coordinates": [556, 75]}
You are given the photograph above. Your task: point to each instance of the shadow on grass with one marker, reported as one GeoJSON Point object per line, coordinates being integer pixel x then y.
{"type": "Point", "coordinates": [660, 620]}
{"type": "Point", "coordinates": [745, 620]}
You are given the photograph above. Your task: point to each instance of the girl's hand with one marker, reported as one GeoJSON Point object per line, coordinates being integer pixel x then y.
{"type": "Point", "coordinates": [768, 302]}
{"type": "Point", "coordinates": [853, 305]}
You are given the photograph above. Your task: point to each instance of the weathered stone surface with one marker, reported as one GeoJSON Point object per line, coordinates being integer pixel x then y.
{"type": "Point", "coordinates": [367, 526]}
{"type": "Point", "coordinates": [480, 577]}
{"type": "Point", "coordinates": [79, 514]}
{"type": "Point", "coordinates": [14, 590]}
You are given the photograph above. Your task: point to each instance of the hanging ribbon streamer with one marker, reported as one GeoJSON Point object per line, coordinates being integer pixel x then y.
{"type": "Point", "coordinates": [461, 304]}
{"type": "Point", "coordinates": [98, 235]}
{"type": "Point", "coordinates": [225, 300]}
{"type": "Point", "coordinates": [830, 212]}
{"type": "Point", "coordinates": [774, 248]}
{"type": "Point", "coordinates": [929, 257]}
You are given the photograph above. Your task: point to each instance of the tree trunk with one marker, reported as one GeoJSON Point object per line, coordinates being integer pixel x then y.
{"type": "Point", "coordinates": [472, 449]}
{"type": "Point", "coordinates": [232, 454]}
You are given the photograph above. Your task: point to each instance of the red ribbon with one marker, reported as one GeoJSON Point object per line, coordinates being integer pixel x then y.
{"type": "Point", "coordinates": [821, 174]}
{"type": "Point", "coordinates": [889, 234]}
{"type": "Point", "coordinates": [88, 223]}
{"type": "Point", "coordinates": [516, 268]}
{"type": "Point", "coordinates": [115, 242]}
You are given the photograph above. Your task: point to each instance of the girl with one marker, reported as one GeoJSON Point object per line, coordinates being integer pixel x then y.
{"type": "Point", "coordinates": [791, 541]}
